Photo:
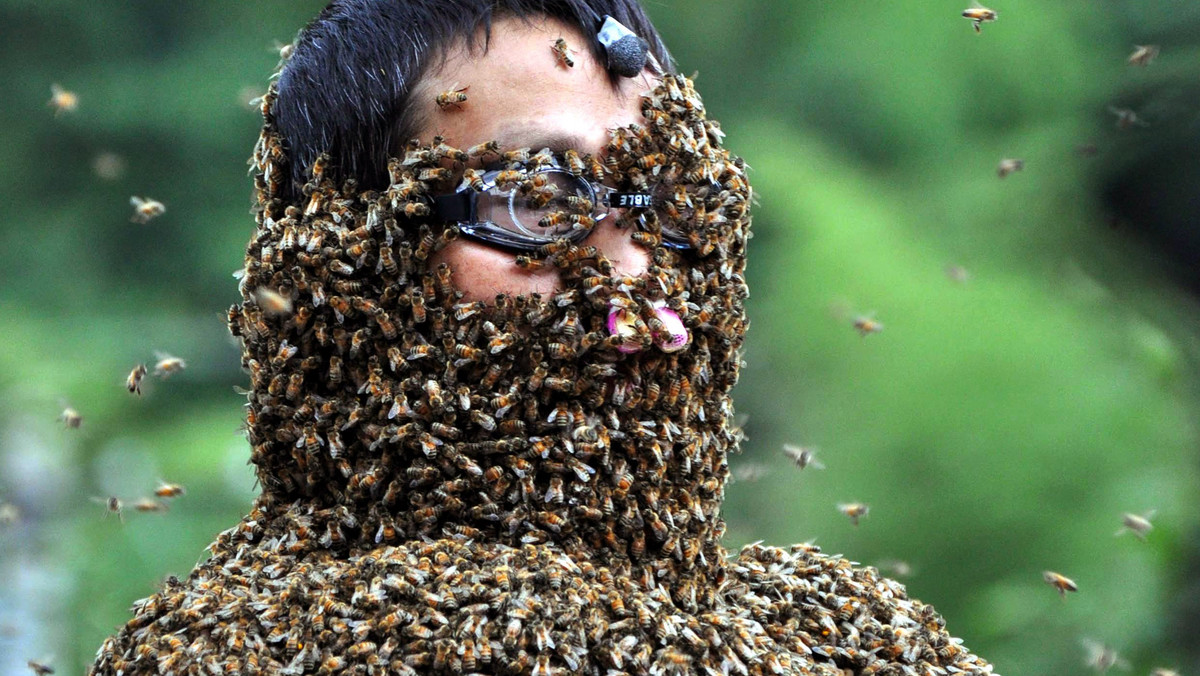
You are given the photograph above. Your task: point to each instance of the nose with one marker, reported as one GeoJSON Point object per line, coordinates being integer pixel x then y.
{"type": "Point", "coordinates": [627, 256]}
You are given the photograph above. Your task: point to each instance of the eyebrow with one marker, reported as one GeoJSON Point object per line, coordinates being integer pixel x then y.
{"type": "Point", "coordinates": [522, 134]}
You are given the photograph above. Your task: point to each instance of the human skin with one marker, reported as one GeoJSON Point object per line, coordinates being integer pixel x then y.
{"type": "Point", "coordinates": [520, 96]}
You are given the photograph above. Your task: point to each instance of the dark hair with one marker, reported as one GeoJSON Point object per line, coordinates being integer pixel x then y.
{"type": "Point", "coordinates": [345, 88]}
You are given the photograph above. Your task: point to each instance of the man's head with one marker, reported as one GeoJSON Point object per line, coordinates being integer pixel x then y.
{"type": "Point", "coordinates": [356, 82]}
{"type": "Point", "coordinates": [590, 406]}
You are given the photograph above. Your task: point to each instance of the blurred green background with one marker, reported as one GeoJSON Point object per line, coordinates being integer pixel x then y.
{"type": "Point", "coordinates": [1035, 378]}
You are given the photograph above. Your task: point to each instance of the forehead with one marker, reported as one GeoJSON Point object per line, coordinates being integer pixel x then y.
{"type": "Point", "coordinates": [518, 92]}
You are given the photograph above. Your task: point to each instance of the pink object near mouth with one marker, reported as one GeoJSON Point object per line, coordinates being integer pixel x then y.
{"type": "Point", "coordinates": [674, 338]}
{"type": "Point", "coordinates": [624, 324]}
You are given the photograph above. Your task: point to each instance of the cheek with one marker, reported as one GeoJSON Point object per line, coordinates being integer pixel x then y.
{"type": "Point", "coordinates": [481, 272]}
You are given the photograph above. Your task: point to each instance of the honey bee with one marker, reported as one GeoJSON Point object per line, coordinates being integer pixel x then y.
{"type": "Point", "coordinates": [490, 147]}
{"type": "Point", "coordinates": [472, 179]}
{"type": "Point", "coordinates": [71, 418]}
{"type": "Point", "coordinates": [1061, 583]}
{"type": "Point", "coordinates": [1143, 55]}
{"type": "Point", "coordinates": [1139, 525]}
{"type": "Point", "coordinates": [419, 209]}
{"type": "Point", "coordinates": [455, 96]}
{"type": "Point", "coordinates": [418, 306]}
{"type": "Point", "coordinates": [509, 177]}
{"type": "Point", "coordinates": [112, 505]}
{"type": "Point", "coordinates": [166, 490]}
{"type": "Point", "coordinates": [1101, 657]}
{"type": "Point", "coordinates": [1126, 118]}
{"type": "Point", "coordinates": [866, 325]}
{"type": "Point", "coordinates": [150, 505]}
{"type": "Point", "coordinates": [804, 457]}
{"type": "Point", "coordinates": [335, 370]}
{"type": "Point", "coordinates": [145, 209]}
{"type": "Point", "coordinates": [40, 668]}
{"type": "Point", "coordinates": [134, 382]}
{"type": "Point", "coordinates": [1008, 166]}
{"type": "Point", "coordinates": [517, 156]}
{"type": "Point", "coordinates": [61, 100]}
{"type": "Point", "coordinates": [562, 53]}
{"type": "Point", "coordinates": [854, 510]}
{"type": "Point", "coordinates": [978, 14]}
{"type": "Point", "coordinates": [574, 162]}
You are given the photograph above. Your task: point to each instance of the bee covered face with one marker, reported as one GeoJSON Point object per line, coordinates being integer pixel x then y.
{"type": "Point", "coordinates": [522, 95]}
{"type": "Point", "coordinates": [396, 407]}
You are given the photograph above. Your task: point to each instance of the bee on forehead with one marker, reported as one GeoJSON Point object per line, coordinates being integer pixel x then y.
{"type": "Point", "coordinates": [562, 53]}
{"type": "Point", "coordinates": [145, 209]}
{"type": "Point", "coordinates": [455, 96]}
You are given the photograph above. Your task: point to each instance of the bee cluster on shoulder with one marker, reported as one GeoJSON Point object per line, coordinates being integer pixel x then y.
{"type": "Point", "coordinates": [453, 487]}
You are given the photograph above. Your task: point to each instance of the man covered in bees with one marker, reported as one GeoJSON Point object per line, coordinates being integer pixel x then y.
{"type": "Point", "coordinates": [490, 373]}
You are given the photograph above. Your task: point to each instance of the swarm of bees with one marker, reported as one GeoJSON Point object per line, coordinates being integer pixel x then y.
{"type": "Point", "coordinates": [62, 101]}
{"type": "Point", "coordinates": [145, 209]}
{"type": "Point", "coordinates": [455, 96]}
{"type": "Point", "coordinates": [450, 488]}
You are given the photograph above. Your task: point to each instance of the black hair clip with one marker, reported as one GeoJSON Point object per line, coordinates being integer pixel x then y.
{"type": "Point", "coordinates": [627, 53]}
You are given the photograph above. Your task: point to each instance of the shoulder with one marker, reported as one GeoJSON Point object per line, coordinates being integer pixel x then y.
{"type": "Point", "coordinates": [832, 611]}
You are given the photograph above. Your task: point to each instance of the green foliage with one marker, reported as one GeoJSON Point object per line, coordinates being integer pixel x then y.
{"type": "Point", "coordinates": [997, 426]}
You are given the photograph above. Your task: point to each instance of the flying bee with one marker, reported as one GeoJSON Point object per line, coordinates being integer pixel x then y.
{"type": "Point", "coordinates": [145, 209]}
{"type": "Point", "coordinates": [978, 14]}
{"type": "Point", "coordinates": [803, 456]}
{"type": "Point", "coordinates": [112, 505]}
{"type": "Point", "coordinates": [854, 510]}
{"type": "Point", "coordinates": [150, 505]}
{"type": "Point", "coordinates": [71, 418]}
{"type": "Point", "coordinates": [1061, 583]}
{"type": "Point", "coordinates": [1143, 55]}
{"type": "Point", "coordinates": [1101, 657]}
{"type": "Point", "coordinates": [865, 325]}
{"type": "Point", "coordinates": [562, 53]}
{"type": "Point", "coordinates": [166, 490]}
{"type": "Point", "coordinates": [1008, 166]}
{"type": "Point", "coordinates": [61, 100]}
{"type": "Point", "coordinates": [1126, 118]}
{"type": "Point", "coordinates": [1138, 525]}
{"type": "Point", "coordinates": [134, 382]}
{"type": "Point", "coordinates": [41, 668]}
{"type": "Point", "coordinates": [454, 96]}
